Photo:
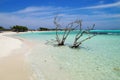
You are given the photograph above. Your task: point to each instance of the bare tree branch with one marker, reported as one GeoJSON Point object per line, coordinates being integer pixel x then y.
{"type": "Point", "coordinates": [77, 24]}
{"type": "Point", "coordinates": [66, 32]}
{"type": "Point", "coordinates": [57, 27]}
{"type": "Point", "coordinates": [80, 34]}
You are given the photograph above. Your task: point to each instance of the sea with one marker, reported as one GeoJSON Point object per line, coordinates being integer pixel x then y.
{"type": "Point", "coordinates": [96, 59]}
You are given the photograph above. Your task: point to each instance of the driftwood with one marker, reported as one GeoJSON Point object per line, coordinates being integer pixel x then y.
{"type": "Point", "coordinates": [80, 33]}
{"type": "Point", "coordinates": [66, 32]}
{"type": "Point", "coordinates": [77, 24]}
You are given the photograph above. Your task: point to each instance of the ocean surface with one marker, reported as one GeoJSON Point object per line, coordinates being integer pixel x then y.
{"type": "Point", "coordinates": [95, 59]}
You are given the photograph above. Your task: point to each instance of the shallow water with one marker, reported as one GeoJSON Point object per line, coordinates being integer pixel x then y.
{"type": "Point", "coordinates": [97, 58]}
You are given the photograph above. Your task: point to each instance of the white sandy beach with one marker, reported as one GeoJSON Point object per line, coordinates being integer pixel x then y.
{"type": "Point", "coordinates": [7, 44]}
{"type": "Point", "coordinates": [13, 65]}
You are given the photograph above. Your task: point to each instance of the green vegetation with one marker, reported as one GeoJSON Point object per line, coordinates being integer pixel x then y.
{"type": "Point", "coordinates": [18, 28]}
{"type": "Point", "coordinates": [43, 29]}
{"type": "Point", "coordinates": [47, 29]}
{"type": "Point", "coordinates": [1, 28]}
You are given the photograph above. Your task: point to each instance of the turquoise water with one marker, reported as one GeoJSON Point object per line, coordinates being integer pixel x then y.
{"type": "Point", "coordinates": [97, 58]}
{"type": "Point", "coordinates": [107, 31]}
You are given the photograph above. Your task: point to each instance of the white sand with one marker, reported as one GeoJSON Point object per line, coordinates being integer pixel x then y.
{"type": "Point", "coordinates": [13, 65]}
{"type": "Point", "coordinates": [7, 44]}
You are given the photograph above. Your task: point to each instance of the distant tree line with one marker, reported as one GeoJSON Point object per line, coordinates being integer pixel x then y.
{"type": "Point", "coordinates": [42, 29]}
{"type": "Point", "coordinates": [18, 28]}
{"type": "Point", "coordinates": [1, 28]}
{"type": "Point", "coordinates": [47, 29]}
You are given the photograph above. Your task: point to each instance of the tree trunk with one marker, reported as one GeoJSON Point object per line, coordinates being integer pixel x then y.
{"type": "Point", "coordinates": [61, 43]}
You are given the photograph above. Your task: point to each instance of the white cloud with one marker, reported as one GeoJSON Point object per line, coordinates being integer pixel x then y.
{"type": "Point", "coordinates": [116, 4]}
{"type": "Point", "coordinates": [101, 2]}
{"type": "Point", "coordinates": [40, 9]}
{"type": "Point", "coordinates": [33, 9]}
{"type": "Point", "coordinates": [43, 16]}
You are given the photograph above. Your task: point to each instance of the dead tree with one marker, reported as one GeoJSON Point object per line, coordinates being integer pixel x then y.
{"type": "Point", "coordinates": [66, 32]}
{"type": "Point", "coordinates": [80, 33]}
{"type": "Point", "coordinates": [77, 24]}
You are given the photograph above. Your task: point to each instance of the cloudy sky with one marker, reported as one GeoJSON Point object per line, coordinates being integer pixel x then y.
{"type": "Point", "coordinates": [36, 13]}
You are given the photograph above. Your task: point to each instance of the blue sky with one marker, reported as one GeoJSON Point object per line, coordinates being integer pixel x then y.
{"type": "Point", "coordinates": [36, 13]}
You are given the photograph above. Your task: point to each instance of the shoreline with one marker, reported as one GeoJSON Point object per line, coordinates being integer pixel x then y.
{"type": "Point", "coordinates": [14, 65]}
